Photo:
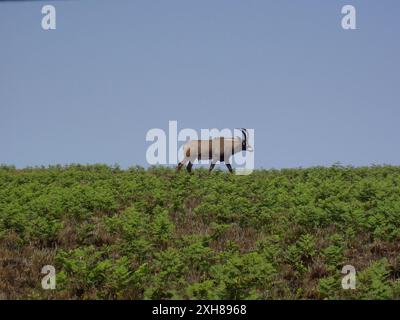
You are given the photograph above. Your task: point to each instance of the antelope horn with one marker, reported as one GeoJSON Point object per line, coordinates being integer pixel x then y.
{"type": "Point", "coordinates": [244, 133]}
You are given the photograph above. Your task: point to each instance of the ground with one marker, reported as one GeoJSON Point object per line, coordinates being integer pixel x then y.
{"type": "Point", "coordinates": [159, 234]}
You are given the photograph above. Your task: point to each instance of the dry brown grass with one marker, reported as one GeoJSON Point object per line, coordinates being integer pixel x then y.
{"type": "Point", "coordinates": [20, 267]}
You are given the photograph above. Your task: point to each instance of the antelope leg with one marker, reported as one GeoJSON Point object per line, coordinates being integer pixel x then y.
{"type": "Point", "coordinates": [179, 167]}
{"type": "Point", "coordinates": [228, 165]}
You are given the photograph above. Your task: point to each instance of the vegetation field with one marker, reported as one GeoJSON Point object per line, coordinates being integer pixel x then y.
{"type": "Point", "coordinates": [157, 234]}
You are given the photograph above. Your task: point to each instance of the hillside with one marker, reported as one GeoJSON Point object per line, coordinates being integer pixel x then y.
{"type": "Point", "coordinates": [149, 234]}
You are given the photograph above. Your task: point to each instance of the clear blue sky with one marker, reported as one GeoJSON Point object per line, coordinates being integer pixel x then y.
{"type": "Point", "coordinates": [89, 91]}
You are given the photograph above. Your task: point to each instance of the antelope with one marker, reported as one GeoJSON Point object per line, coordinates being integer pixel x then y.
{"type": "Point", "coordinates": [217, 149]}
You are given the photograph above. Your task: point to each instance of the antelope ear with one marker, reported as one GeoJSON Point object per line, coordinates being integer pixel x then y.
{"type": "Point", "coordinates": [249, 148]}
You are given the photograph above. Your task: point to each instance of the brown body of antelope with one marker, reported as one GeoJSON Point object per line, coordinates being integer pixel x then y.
{"type": "Point", "coordinates": [217, 149]}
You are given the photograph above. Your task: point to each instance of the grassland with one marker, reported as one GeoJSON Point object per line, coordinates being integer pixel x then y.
{"type": "Point", "coordinates": [158, 234]}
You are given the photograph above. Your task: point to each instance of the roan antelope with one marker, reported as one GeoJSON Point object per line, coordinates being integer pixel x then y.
{"type": "Point", "coordinates": [217, 149]}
